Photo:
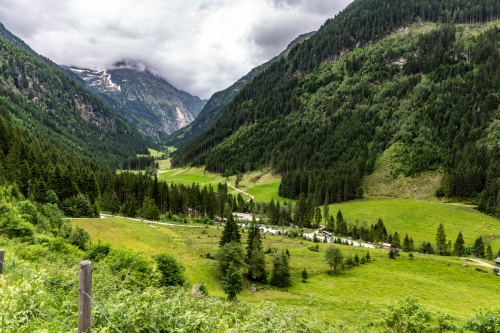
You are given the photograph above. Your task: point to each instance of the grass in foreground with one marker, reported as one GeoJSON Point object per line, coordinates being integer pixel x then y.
{"type": "Point", "coordinates": [354, 296]}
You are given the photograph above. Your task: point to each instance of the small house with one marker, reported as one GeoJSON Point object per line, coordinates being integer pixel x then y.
{"type": "Point", "coordinates": [497, 261]}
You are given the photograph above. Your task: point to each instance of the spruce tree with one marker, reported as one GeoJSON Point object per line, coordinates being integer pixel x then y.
{"type": "Point", "coordinates": [326, 212]}
{"type": "Point", "coordinates": [441, 247]}
{"type": "Point", "coordinates": [304, 275]}
{"type": "Point", "coordinates": [406, 243]}
{"type": "Point", "coordinates": [489, 252]}
{"type": "Point", "coordinates": [280, 276]}
{"type": "Point", "coordinates": [479, 247]}
{"type": "Point", "coordinates": [233, 282]}
{"type": "Point", "coordinates": [230, 232]}
{"type": "Point", "coordinates": [253, 238]}
{"type": "Point", "coordinates": [257, 265]}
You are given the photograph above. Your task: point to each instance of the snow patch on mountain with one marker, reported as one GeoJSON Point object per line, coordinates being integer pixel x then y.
{"type": "Point", "coordinates": [99, 79]}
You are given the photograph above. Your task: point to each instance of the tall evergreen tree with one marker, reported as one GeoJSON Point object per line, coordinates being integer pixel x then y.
{"type": "Point", "coordinates": [441, 247]}
{"type": "Point", "coordinates": [231, 232]}
{"type": "Point", "coordinates": [233, 282]}
{"type": "Point", "coordinates": [280, 276]}
{"type": "Point", "coordinates": [479, 247]}
{"type": "Point", "coordinates": [459, 245]}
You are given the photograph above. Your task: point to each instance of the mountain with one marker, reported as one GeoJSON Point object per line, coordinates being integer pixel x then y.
{"type": "Point", "coordinates": [220, 99]}
{"type": "Point", "coordinates": [146, 100]}
{"type": "Point", "coordinates": [380, 75]}
{"type": "Point", "coordinates": [53, 130]}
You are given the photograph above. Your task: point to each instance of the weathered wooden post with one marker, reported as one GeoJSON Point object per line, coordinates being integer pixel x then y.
{"type": "Point", "coordinates": [2, 256]}
{"type": "Point", "coordinates": [84, 296]}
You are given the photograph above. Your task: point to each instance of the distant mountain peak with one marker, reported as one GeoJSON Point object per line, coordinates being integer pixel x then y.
{"type": "Point", "coordinates": [99, 79]}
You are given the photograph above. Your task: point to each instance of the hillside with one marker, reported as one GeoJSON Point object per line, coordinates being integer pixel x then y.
{"type": "Point", "coordinates": [54, 134]}
{"type": "Point", "coordinates": [146, 100]}
{"type": "Point", "coordinates": [220, 99]}
{"type": "Point", "coordinates": [373, 76]}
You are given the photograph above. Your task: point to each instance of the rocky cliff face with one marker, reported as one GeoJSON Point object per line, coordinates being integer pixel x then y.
{"type": "Point", "coordinates": [146, 100]}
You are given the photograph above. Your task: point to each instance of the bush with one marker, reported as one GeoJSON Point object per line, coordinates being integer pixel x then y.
{"type": "Point", "coordinates": [98, 252]}
{"type": "Point", "coordinates": [170, 270]}
{"type": "Point", "coordinates": [79, 237]}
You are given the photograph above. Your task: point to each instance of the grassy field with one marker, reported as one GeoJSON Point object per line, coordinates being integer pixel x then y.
{"type": "Point", "coordinates": [353, 296]}
{"type": "Point", "coordinates": [421, 218]}
{"type": "Point", "coordinates": [262, 184]}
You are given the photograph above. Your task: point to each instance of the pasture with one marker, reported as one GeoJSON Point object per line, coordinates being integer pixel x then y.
{"type": "Point", "coordinates": [355, 296]}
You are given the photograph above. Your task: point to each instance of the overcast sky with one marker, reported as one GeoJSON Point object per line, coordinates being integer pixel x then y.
{"type": "Point", "coordinates": [200, 46]}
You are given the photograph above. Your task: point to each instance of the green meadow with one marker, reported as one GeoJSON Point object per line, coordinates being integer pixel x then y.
{"type": "Point", "coordinates": [355, 296]}
{"type": "Point", "coordinates": [420, 219]}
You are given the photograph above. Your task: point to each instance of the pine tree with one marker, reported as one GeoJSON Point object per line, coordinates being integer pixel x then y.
{"type": "Point", "coordinates": [441, 247]}
{"type": "Point", "coordinates": [253, 239]}
{"type": "Point", "coordinates": [406, 243]}
{"type": "Point", "coordinates": [326, 212]}
{"type": "Point", "coordinates": [233, 282]}
{"type": "Point", "coordinates": [317, 217]}
{"type": "Point", "coordinates": [489, 252]}
{"type": "Point", "coordinates": [257, 265]}
{"type": "Point", "coordinates": [230, 232]}
{"type": "Point", "coordinates": [280, 276]}
{"type": "Point", "coordinates": [331, 224]}
{"type": "Point", "coordinates": [479, 247]}
{"type": "Point", "coordinates": [396, 240]}
{"type": "Point", "coordinates": [304, 275]}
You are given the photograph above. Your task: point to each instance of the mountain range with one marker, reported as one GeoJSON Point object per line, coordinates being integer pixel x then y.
{"type": "Point", "coordinates": [146, 100]}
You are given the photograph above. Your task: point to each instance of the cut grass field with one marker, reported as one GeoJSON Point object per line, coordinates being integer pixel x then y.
{"type": "Point", "coordinates": [354, 296]}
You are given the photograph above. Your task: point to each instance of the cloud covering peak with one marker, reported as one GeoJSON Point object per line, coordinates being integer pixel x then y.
{"type": "Point", "coordinates": [200, 46]}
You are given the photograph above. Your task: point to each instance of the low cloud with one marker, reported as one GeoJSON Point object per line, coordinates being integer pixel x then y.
{"type": "Point", "coordinates": [200, 46]}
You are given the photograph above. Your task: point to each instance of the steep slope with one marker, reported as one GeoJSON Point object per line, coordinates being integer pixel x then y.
{"type": "Point", "coordinates": [324, 114]}
{"type": "Point", "coordinates": [36, 96]}
{"type": "Point", "coordinates": [149, 102]}
{"type": "Point", "coordinates": [220, 99]}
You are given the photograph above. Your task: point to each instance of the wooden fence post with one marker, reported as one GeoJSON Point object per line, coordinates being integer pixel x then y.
{"type": "Point", "coordinates": [84, 296]}
{"type": "Point", "coordinates": [2, 256]}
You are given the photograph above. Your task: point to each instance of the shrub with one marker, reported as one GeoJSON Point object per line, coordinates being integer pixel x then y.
{"type": "Point", "coordinates": [170, 270]}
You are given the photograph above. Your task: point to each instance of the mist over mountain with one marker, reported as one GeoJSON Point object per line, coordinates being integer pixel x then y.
{"type": "Point", "coordinates": [144, 98]}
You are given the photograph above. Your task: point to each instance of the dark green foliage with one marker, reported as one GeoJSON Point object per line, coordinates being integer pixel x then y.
{"type": "Point", "coordinates": [231, 231]}
{"type": "Point", "coordinates": [392, 254]}
{"type": "Point", "coordinates": [408, 245]}
{"type": "Point", "coordinates": [280, 276]}
{"type": "Point", "coordinates": [233, 282]}
{"type": "Point", "coordinates": [170, 270]}
{"type": "Point", "coordinates": [489, 252]}
{"type": "Point", "coordinates": [323, 124]}
{"type": "Point", "coordinates": [441, 247]}
{"type": "Point", "coordinates": [79, 237]}
{"type": "Point", "coordinates": [254, 255]}
{"type": "Point", "coordinates": [334, 258]}
{"type": "Point", "coordinates": [99, 251]}
{"type": "Point", "coordinates": [459, 246]}
{"type": "Point", "coordinates": [305, 276]}
{"type": "Point", "coordinates": [230, 253]}
{"type": "Point", "coordinates": [479, 247]}
{"type": "Point", "coordinates": [427, 248]}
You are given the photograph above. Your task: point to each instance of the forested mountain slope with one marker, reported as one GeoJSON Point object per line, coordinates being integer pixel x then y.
{"type": "Point", "coordinates": [146, 100]}
{"type": "Point", "coordinates": [220, 99]}
{"type": "Point", "coordinates": [324, 114]}
{"type": "Point", "coordinates": [54, 134]}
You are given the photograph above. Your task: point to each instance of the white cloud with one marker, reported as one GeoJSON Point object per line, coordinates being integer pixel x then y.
{"type": "Point", "coordinates": [200, 46]}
